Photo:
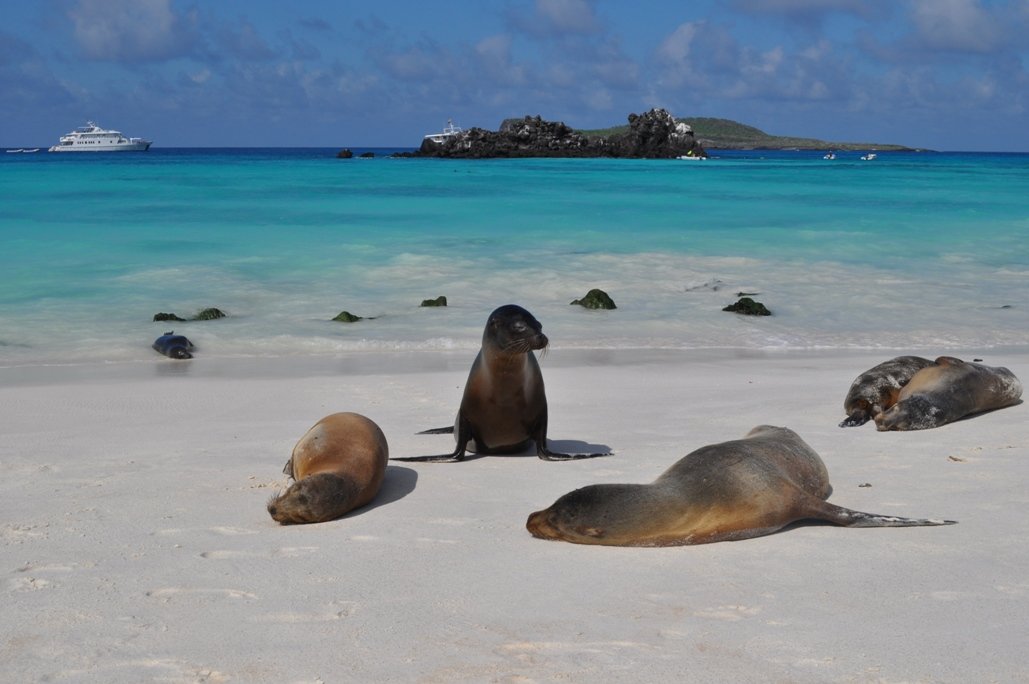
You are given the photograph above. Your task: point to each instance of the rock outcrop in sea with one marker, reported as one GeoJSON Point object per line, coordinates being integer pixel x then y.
{"type": "Point", "coordinates": [652, 135]}
{"type": "Point", "coordinates": [596, 299]}
{"type": "Point", "coordinates": [748, 307]}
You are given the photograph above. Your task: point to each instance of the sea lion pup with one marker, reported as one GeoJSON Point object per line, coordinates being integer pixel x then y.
{"type": "Point", "coordinates": [734, 490]}
{"type": "Point", "coordinates": [174, 346]}
{"type": "Point", "coordinates": [877, 388]}
{"type": "Point", "coordinates": [948, 390]}
{"type": "Point", "coordinates": [504, 404]}
{"type": "Point", "coordinates": [338, 465]}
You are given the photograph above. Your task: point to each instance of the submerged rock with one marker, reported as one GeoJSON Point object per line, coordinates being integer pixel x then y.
{"type": "Point", "coordinates": [438, 301]}
{"type": "Point", "coordinates": [210, 314]}
{"type": "Point", "coordinates": [596, 299]}
{"type": "Point", "coordinates": [167, 317]}
{"type": "Point", "coordinates": [748, 307]}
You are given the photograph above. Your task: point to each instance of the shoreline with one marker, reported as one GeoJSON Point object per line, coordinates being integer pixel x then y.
{"type": "Point", "coordinates": [388, 362]}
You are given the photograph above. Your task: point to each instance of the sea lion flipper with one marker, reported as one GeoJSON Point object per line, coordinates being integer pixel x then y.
{"type": "Point", "coordinates": [441, 458]}
{"type": "Point", "coordinates": [548, 455]}
{"type": "Point", "coordinates": [539, 435]}
{"type": "Point", "coordinates": [287, 469]}
{"type": "Point", "coordinates": [859, 417]}
{"type": "Point", "coordinates": [438, 431]}
{"type": "Point", "coordinates": [846, 517]}
{"type": "Point", "coordinates": [462, 436]}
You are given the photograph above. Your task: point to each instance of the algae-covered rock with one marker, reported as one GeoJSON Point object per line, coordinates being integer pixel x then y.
{"type": "Point", "coordinates": [346, 317]}
{"type": "Point", "coordinates": [596, 299]}
{"type": "Point", "coordinates": [209, 315]}
{"type": "Point", "coordinates": [438, 301]}
{"type": "Point", "coordinates": [748, 307]}
{"type": "Point", "coordinates": [167, 317]}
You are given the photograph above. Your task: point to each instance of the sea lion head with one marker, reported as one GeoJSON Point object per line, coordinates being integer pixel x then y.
{"type": "Point", "coordinates": [513, 330]}
{"type": "Point", "coordinates": [916, 412]}
{"type": "Point", "coordinates": [179, 352]}
{"type": "Point", "coordinates": [596, 514]}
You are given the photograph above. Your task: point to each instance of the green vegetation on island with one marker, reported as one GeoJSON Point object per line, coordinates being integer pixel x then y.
{"type": "Point", "coordinates": [726, 134]}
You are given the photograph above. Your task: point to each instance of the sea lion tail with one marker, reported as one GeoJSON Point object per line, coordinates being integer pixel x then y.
{"type": "Point", "coordinates": [317, 498]}
{"type": "Point", "coordinates": [449, 430]}
{"type": "Point", "coordinates": [851, 518]}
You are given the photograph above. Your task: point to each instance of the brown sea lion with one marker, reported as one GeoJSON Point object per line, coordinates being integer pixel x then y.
{"type": "Point", "coordinates": [877, 388]}
{"type": "Point", "coordinates": [734, 490]}
{"type": "Point", "coordinates": [948, 390]}
{"type": "Point", "coordinates": [338, 465]}
{"type": "Point", "coordinates": [504, 406]}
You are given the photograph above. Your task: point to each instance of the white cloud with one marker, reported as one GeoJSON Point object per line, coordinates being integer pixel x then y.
{"type": "Point", "coordinates": [675, 49]}
{"type": "Point", "coordinates": [955, 25]}
{"type": "Point", "coordinates": [129, 30]}
{"type": "Point", "coordinates": [568, 16]}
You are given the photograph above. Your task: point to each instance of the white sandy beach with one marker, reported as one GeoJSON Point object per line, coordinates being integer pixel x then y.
{"type": "Point", "coordinates": [136, 545]}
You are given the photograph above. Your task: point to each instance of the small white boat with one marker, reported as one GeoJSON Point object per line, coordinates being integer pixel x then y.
{"type": "Point", "coordinates": [20, 150]}
{"type": "Point", "coordinates": [15, 151]}
{"type": "Point", "coordinates": [869, 157]}
{"type": "Point", "coordinates": [831, 155]}
{"type": "Point", "coordinates": [92, 138]}
{"type": "Point", "coordinates": [449, 131]}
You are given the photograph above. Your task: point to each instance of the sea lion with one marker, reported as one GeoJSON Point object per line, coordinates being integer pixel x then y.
{"type": "Point", "coordinates": [338, 465]}
{"type": "Point", "coordinates": [877, 388]}
{"type": "Point", "coordinates": [174, 346]}
{"type": "Point", "coordinates": [948, 390]}
{"type": "Point", "coordinates": [734, 490]}
{"type": "Point", "coordinates": [504, 406]}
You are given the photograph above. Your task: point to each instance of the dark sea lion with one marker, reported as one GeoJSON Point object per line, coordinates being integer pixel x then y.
{"type": "Point", "coordinates": [877, 388]}
{"type": "Point", "coordinates": [734, 490]}
{"type": "Point", "coordinates": [948, 390]}
{"type": "Point", "coordinates": [338, 465]}
{"type": "Point", "coordinates": [174, 346]}
{"type": "Point", "coordinates": [504, 406]}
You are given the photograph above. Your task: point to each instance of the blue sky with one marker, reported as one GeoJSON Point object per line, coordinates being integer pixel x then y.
{"type": "Point", "coordinates": [941, 74]}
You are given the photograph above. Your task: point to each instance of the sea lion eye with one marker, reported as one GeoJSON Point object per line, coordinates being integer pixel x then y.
{"type": "Point", "coordinates": [519, 327]}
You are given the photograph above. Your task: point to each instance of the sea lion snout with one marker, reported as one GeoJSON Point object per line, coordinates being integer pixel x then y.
{"type": "Point", "coordinates": [539, 525]}
{"type": "Point", "coordinates": [179, 353]}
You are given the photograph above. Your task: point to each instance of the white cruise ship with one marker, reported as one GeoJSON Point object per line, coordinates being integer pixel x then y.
{"type": "Point", "coordinates": [92, 138]}
{"type": "Point", "coordinates": [449, 131]}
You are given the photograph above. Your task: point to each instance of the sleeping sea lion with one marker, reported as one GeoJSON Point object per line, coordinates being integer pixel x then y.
{"type": "Point", "coordinates": [948, 390]}
{"type": "Point", "coordinates": [338, 465]}
{"type": "Point", "coordinates": [504, 406]}
{"type": "Point", "coordinates": [734, 490]}
{"type": "Point", "coordinates": [877, 388]}
{"type": "Point", "coordinates": [174, 346]}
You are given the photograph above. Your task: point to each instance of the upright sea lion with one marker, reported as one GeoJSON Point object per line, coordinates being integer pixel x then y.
{"type": "Point", "coordinates": [174, 346]}
{"type": "Point", "coordinates": [504, 406]}
{"type": "Point", "coordinates": [877, 388]}
{"type": "Point", "coordinates": [734, 490]}
{"type": "Point", "coordinates": [338, 465]}
{"type": "Point", "coordinates": [948, 390]}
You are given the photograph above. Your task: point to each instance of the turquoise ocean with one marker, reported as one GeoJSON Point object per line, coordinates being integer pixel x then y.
{"type": "Point", "coordinates": [921, 252]}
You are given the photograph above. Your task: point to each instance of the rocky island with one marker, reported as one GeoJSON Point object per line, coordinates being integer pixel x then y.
{"type": "Point", "coordinates": [653, 135]}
